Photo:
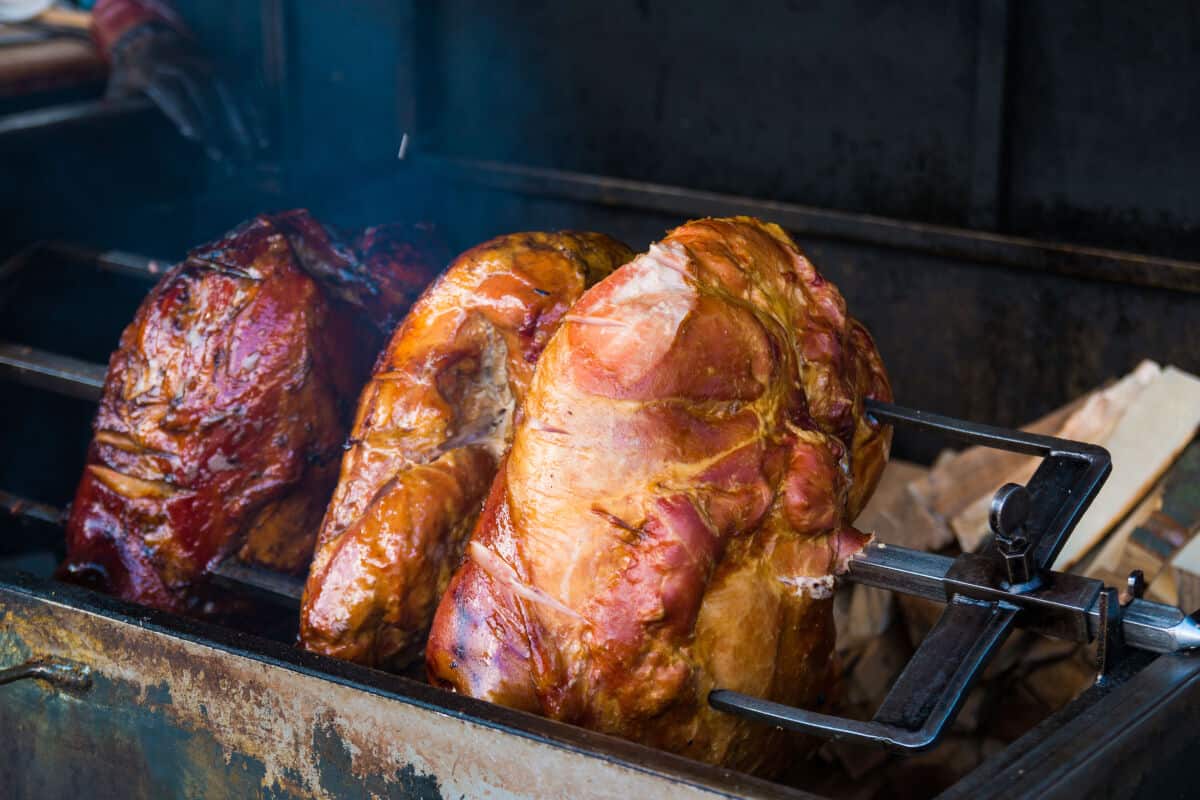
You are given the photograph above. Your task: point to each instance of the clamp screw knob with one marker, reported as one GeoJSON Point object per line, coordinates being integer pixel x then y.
{"type": "Point", "coordinates": [1010, 510]}
{"type": "Point", "coordinates": [1007, 517]}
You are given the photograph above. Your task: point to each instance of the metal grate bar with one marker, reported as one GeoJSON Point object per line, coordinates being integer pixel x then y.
{"type": "Point", "coordinates": [56, 373]}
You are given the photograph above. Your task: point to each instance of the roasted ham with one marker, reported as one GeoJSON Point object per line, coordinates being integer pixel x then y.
{"type": "Point", "coordinates": [676, 503]}
{"type": "Point", "coordinates": [431, 426]}
{"type": "Point", "coordinates": [226, 405]}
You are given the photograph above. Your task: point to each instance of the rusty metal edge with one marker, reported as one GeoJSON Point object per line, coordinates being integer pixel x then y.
{"type": "Point", "coordinates": [580, 741]}
{"type": "Point", "coordinates": [818, 223]}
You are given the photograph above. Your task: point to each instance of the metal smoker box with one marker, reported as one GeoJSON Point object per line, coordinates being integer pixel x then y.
{"type": "Point", "coordinates": [124, 701]}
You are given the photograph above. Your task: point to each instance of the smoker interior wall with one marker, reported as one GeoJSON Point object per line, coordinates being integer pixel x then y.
{"type": "Point", "coordinates": [113, 181]}
{"type": "Point", "coordinates": [829, 105]}
{"type": "Point", "coordinates": [1104, 126]}
{"type": "Point", "coordinates": [1084, 131]}
{"type": "Point", "coordinates": [1069, 121]}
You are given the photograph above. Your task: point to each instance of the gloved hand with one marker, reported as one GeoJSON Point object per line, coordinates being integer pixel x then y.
{"type": "Point", "coordinates": [152, 53]}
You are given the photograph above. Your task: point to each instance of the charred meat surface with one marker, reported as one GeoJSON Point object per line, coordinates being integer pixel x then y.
{"type": "Point", "coordinates": [676, 501]}
{"type": "Point", "coordinates": [378, 271]}
{"type": "Point", "coordinates": [431, 426]}
{"type": "Point", "coordinates": [225, 408]}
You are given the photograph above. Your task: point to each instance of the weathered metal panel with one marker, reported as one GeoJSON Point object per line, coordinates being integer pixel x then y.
{"type": "Point", "coordinates": [184, 710]}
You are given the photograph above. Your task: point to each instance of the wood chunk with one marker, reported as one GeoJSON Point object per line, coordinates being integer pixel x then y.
{"type": "Point", "coordinates": [1109, 577]}
{"type": "Point", "coordinates": [861, 614]}
{"type": "Point", "coordinates": [1179, 518]}
{"type": "Point", "coordinates": [1145, 441]}
{"type": "Point", "coordinates": [1106, 559]}
{"type": "Point", "coordinates": [1163, 589]}
{"type": "Point", "coordinates": [971, 713]}
{"type": "Point", "coordinates": [991, 747]}
{"type": "Point", "coordinates": [1185, 577]}
{"type": "Point", "coordinates": [1093, 420]}
{"type": "Point", "coordinates": [919, 615]}
{"type": "Point", "coordinates": [1059, 682]}
{"type": "Point", "coordinates": [855, 759]}
{"type": "Point", "coordinates": [922, 775]}
{"type": "Point", "coordinates": [877, 517]}
{"type": "Point", "coordinates": [1012, 653]}
{"type": "Point", "coordinates": [958, 479]}
{"type": "Point", "coordinates": [1152, 545]}
{"type": "Point", "coordinates": [1020, 712]}
{"type": "Point", "coordinates": [827, 782]}
{"type": "Point", "coordinates": [894, 517]}
{"type": "Point", "coordinates": [933, 532]}
{"type": "Point", "coordinates": [1181, 495]}
{"type": "Point", "coordinates": [876, 670]}
{"type": "Point", "coordinates": [53, 63]}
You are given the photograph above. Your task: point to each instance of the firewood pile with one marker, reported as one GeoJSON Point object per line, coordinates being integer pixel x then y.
{"type": "Point", "coordinates": [1146, 518]}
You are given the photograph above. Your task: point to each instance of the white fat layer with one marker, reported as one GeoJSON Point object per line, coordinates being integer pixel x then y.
{"type": "Point", "coordinates": [502, 573]}
{"type": "Point", "coordinates": [819, 588]}
{"type": "Point", "coordinates": [659, 271]}
{"type": "Point", "coordinates": [196, 338]}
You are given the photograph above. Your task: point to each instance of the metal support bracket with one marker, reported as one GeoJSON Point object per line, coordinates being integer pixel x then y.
{"type": "Point", "coordinates": [984, 592]}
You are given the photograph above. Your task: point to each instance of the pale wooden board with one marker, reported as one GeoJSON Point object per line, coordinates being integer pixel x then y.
{"type": "Point", "coordinates": [1092, 421]}
{"type": "Point", "coordinates": [1145, 441]}
{"type": "Point", "coordinates": [1163, 589]}
{"type": "Point", "coordinates": [1185, 572]}
{"type": "Point", "coordinates": [959, 479]}
{"type": "Point", "coordinates": [862, 613]}
{"type": "Point", "coordinates": [877, 516]}
{"type": "Point", "coordinates": [896, 517]}
{"type": "Point", "coordinates": [1108, 557]}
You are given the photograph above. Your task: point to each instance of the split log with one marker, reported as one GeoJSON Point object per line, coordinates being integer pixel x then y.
{"type": "Point", "coordinates": [1143, 445]}
{"type": "Point", "coordinates": [959, 478]}
{"type": "Point", "coordinates": [1093, 420]}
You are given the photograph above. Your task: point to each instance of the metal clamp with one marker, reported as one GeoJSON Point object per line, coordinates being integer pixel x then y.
{"type": "Point", "coordinates": [984, 592]}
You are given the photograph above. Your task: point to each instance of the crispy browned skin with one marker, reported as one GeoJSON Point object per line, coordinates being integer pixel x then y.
{"type": "Point", "coordinates": [430, 428]}
{"type": "Point", "coordinates": [676, 501]}
{"type": "Point", "coordinates": [223, 414]}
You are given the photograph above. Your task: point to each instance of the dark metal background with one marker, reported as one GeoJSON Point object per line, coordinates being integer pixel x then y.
{"type": "Point", "coordinates": [1073, 121]}
{"type": "Point", "coordinates": [1070, 122]}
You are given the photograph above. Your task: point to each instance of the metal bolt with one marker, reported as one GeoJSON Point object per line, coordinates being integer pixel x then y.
{"type": "Point", "coordinates": [1010, 509]}
{"type": "Point", "coordinates": [1135, 587]}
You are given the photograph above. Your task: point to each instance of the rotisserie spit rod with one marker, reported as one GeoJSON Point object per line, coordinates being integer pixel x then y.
{"type": "Point", "coordinates": [1065, 606]}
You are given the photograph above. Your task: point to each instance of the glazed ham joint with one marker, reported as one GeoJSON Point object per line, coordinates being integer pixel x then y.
{"type": "Point", "coordinates": [572, 476]}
